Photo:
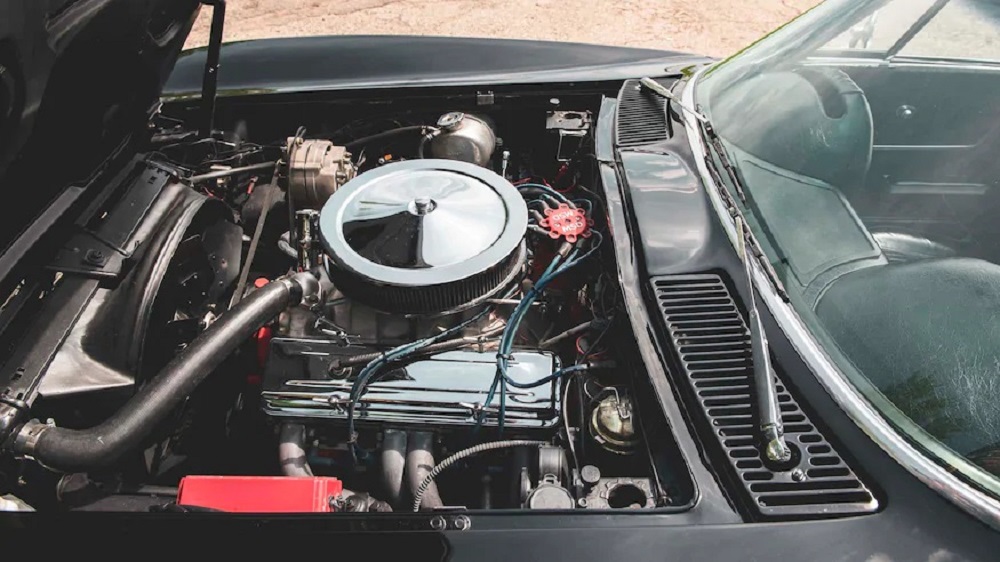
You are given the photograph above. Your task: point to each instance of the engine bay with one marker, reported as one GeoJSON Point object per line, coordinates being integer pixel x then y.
{"type": "Point", "coordinates": [447, 332]}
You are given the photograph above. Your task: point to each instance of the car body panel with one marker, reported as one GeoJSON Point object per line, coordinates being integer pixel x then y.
{"type": "Point", "coordinates": [271, 66]}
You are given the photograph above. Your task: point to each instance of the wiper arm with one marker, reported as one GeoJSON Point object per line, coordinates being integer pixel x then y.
{"type": "Point", "coordinates": [664, 92]}
{"type": "Point", "coordinates": [710, 134]}
{"type": "Point", "coordinates": [771, 428]}
{"type": "Point", "coordinates": [734, 177]}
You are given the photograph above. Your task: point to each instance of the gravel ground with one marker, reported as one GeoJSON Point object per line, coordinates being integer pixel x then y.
{"type": "Point", "coordinates": [712, 27]}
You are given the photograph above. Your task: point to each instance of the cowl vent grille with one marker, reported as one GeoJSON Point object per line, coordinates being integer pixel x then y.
{"type": "Point", "coordinates": [713, 346]}
{"type": "Point", "coordinates": [641, 116]}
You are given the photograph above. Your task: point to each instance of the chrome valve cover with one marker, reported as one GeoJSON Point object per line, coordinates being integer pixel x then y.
{"type": "Point", "coordinates": [445, 390]}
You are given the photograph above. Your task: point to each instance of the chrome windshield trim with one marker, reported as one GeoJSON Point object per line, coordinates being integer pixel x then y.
{"type": "Point", "coordinates": [979, 504]}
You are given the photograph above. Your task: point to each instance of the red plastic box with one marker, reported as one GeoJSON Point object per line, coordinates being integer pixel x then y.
{"type": "Point", "coordinates": [259, 494]}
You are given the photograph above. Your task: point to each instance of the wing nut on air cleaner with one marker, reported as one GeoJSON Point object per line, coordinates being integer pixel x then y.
{"type": "Point", "coordinates": [566, 222]}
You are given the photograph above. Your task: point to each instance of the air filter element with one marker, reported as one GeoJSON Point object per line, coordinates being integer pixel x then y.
{"type": "Point", "coordinates": [424, 236]}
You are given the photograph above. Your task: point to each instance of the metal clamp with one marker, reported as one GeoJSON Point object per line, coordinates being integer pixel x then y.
{"type": "Point", "coordinates": [26, 439]}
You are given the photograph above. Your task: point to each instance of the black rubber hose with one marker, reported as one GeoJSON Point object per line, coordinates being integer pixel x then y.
{"type": "Point", "coordinates": [385, 135]}
{"type": "Point", "coordinates": [422, 146]}
{"type": "Point", "coordinates": [70, 450]}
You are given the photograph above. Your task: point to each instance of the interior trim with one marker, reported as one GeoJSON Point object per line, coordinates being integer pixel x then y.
{"type": "Point", "coordinates": [927, 188]}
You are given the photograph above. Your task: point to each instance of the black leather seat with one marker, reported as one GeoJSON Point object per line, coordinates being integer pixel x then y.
{"type": "Point", "coordinates": [926, 335]}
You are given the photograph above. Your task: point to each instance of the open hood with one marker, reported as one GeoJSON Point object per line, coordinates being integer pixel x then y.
{"type": "Point", "coordinates": [77, 77]}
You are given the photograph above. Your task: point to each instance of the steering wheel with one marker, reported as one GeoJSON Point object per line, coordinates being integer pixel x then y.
{"type": "Point", "coordinates": [811, 120]}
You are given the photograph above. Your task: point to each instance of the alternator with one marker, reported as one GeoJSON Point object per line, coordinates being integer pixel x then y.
{"type": "Point", "coordinates": [316, 170]}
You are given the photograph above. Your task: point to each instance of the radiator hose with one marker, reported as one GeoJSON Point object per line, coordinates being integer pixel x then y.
{"type": "Point", "coordinates": [71, 450]}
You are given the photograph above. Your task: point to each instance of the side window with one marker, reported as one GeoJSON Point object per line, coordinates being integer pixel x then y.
{"type": "Point", "coordinates": [882, 29]}
{"type": "Point", "coordinates": [963, 29]}
{"type": "Point", "coordinates": [960, 29]}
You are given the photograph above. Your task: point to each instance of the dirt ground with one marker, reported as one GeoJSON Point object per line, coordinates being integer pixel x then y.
{"type": "Point", "coordinates": [713, 27]}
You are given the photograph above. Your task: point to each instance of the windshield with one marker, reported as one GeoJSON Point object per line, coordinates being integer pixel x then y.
{"type": "Point", "coordinates": [867, 137]}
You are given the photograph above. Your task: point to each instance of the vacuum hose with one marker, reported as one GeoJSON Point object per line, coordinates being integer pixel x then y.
{"type": "Point", "coordinates": [80, 450]}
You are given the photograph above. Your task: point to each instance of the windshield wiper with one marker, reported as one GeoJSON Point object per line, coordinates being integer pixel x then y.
{"type": "Point", "coordinates": [712, 142]}
{"type": "Point", "coordinates": [772, 431]}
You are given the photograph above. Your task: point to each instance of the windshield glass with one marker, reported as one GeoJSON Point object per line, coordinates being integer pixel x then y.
{"type": "Point", "coordinates": [867, 134]}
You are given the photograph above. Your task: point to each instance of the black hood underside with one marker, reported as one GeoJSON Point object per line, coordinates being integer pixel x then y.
{"type": "Point", "coordinates": [76, 78]}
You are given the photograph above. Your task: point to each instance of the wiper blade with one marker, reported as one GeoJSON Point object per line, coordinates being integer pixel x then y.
{"type": "Point", "coordinates": [716, 141]}
{"type": "Point", "coordinates": [772, 430]}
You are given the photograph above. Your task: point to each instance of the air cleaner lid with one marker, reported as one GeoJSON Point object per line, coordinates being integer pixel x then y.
{"type": "Point", "coordinates": [423, 222]}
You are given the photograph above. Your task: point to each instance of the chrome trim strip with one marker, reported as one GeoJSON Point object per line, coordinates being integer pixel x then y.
{"type": "Point", "coordinates": [877, 59]}
{"type": "Point", "coordinates": [915, 147]}
{"type": "Point", "coordinates": [919, 188]}
{"type": "Point", "coordinates": [980, 505]}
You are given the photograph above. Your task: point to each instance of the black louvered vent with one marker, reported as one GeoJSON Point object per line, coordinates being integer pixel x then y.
{"type": "Point", "coordinates": [713, 344]}
{"type": "Point", "coordinates": [641, 116]}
